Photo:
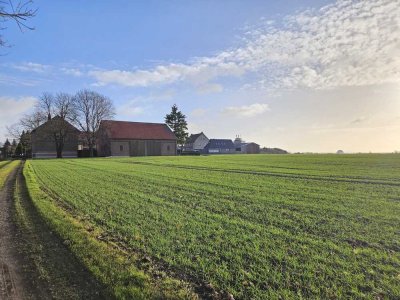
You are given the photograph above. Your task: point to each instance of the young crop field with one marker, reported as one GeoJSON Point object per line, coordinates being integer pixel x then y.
{"type": "Point", "coordinates": [242, 226]}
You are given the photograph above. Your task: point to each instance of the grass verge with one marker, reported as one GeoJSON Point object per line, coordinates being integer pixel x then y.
{"type": "Point", "coordinates": [6, 169]}
{"type": "Point", "coordinates": [110, 265]}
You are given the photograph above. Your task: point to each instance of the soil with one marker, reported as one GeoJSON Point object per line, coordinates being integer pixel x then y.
{"type": "Point", "coordinates": [34, 262]}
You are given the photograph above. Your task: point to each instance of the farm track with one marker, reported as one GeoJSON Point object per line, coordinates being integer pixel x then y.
{"type": "Point", "coordinates": [35, 263]}
{"type": "Point", "coordinates": [16, 274]}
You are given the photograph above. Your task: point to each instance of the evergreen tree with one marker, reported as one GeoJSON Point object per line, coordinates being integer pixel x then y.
{"type": "Point", "coordinates": [7, 149]}
{"type": "Point", "coordinates": [25, 141]}
{"type": "Point", "coordinates": [13, 147]}
{"type": "Point", "coordinates": [176, 120]}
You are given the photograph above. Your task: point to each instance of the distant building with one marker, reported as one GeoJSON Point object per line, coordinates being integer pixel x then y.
{"type": "Point", "coordinates": [273, 151]}
{"type": "Point", "coordinates": [121, 138]}
{"type": "Point", "coordinates": [246, 148]}
{"type": "Point", "coordinates": [340, 152]}
{"type": "Point", "coordinates": [196, 142]}
{"type": "Point", "coordinates": [250, 148]}
{"type": "Point", "coordinates": [45, 138]}
{"type": "Point", "coordinates": [219, 146]}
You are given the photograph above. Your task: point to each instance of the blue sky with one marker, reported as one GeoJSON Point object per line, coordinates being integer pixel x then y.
{"type": "Point", "coordinates": [301, 75]}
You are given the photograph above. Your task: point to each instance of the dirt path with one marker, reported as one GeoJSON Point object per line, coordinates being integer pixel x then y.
{"type": "Point", "coordinates": [34, 262]}
{"type": "Point", "coordinates": [14, 281]}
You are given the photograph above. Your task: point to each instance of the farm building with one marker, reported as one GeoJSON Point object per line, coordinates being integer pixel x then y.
{"type": "Point", "coordinates": [52, 136]}
{"type": "Point", "coordinates": [219, 146]}
{"type": "Point", "coordinates": [121, 138]}
{"type": "Point", "coordinates": [196, 142]}
{"type": "Point", "coordinates": [246, 148]}
{"type": "Point", "coordinates": [250, 148]}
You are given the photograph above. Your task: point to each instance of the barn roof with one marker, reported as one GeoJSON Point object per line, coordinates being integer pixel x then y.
{"type": "Point", "coordinates": [220, 143]}
{"type": "Point", "coordinates": [137, 130]}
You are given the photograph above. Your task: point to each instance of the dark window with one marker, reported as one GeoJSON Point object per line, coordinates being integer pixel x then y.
{"type": "Point", "coordinates": [168, 148]}
{"type": "Point", "coordinates": [121, 148]}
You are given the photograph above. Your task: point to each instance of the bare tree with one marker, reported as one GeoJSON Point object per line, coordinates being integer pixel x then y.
{"type": "Point", "coordinates": [31, 121]}
{"type": "Point", "coordinates": [19, 12]}
{"type": "Point", "coordinates": [91, 108]}
{"type": "Point", "coordinates": [57, 109]}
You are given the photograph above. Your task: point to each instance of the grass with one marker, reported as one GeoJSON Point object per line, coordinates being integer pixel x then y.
{"type": "Point", "coordinates": [6, 167]}
{"type": "Point", "coordinates": [254, 226]}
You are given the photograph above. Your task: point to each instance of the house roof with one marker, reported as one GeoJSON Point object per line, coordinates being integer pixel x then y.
{"type": "Point", "coordinates": [220, 143]}
{"type": "Point", "coordinates": [193, 137]}
{"type": "Point", "coordinates": [53, 120]}
{"type": "Point", "coordinates": [137, 130]}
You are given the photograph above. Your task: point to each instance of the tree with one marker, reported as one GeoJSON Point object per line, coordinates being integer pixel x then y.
{"type": "Point", "coordinates": [7, 149]}
{"type": "Point", "coordinates": [60, 106]}
{"type": "Point", "coordinates": [19, 12]}
{"type": "Point", "coordinates": [90, 109]}
{"type": "Point", "coordinates": [176, 120]}
{"type": "Point", "coordinates": [57, 109]}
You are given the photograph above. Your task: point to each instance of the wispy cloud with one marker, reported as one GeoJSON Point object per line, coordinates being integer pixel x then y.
{"type": "Point", "coordinates": [246, 110]}
{"type": "Point", "coordinates": [72, 71]}
{"type": "Point", "coordinates": [359, 120]}
{"type": "Point", "coordinates": [209, 88]}
{"type": "Point", "coordinates": [17, 81]}
{"type": "Point", "coordinates": [138, 105]}
{"type": "Point", "coordinates": [32, 67]}
{"type": "Point", "coordinates": [349, 43]}
{"type": "Point", "coordinates": [198, 73]}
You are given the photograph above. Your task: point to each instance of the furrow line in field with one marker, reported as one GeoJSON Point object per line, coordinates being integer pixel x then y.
{"type": "Point", "coordinates": [285, 175]}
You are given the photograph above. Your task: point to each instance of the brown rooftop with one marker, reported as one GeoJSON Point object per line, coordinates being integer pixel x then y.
{"type": "Point", "coordinates": [138, 130]}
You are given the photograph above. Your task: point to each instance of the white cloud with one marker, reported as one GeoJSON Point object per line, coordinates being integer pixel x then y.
{"type": "Point", "coordinates": [349, 43]}
{"type": "Point", "coordinates": [247, 110]}
{"type": "Point", "coordinates": [32, 67]}
{"type": "Point", "coordinates": [197, 73]}
{"type": "Point", "coordinates": [11, 110]}
{"type": "Point", "coordinates": [72, 71]}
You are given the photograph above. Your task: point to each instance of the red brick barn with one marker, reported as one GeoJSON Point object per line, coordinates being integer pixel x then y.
{"type": "Point", "coordinates": [122, 138]}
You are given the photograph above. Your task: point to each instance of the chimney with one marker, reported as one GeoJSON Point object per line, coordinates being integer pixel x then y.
{"type": "Point", "coordinates": [49, 117]}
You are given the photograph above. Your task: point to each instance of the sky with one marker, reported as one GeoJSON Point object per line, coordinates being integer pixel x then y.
{"type": "Point", "coordinates": [302, 75]}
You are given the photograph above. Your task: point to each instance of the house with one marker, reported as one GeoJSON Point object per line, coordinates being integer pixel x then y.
{"type": "Point", "coordinates": [196, 142]}
{"type": "Point", "coordinates": [55, 138]}
{"type": "Point", "coordinates": [246, 148]}
{"type": "Point", "coordinates": [122, 138]}
{"type": "Point", "coordinates": [219, 146]}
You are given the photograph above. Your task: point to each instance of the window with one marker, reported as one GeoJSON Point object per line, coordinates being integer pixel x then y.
{"type": "Point", "coordinates": [121, 148]}
{"type": "Point", "coordinates": [168, 148]}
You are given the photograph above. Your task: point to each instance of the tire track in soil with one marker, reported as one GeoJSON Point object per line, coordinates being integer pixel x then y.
{"type": "Point", "coordinates": [15, 283]}
{"type": "Point", "coordinates": [24, 250]}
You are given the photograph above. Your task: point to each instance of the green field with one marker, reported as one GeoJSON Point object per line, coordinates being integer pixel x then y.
{"type": "Point", "coordinates": [254, 226]}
